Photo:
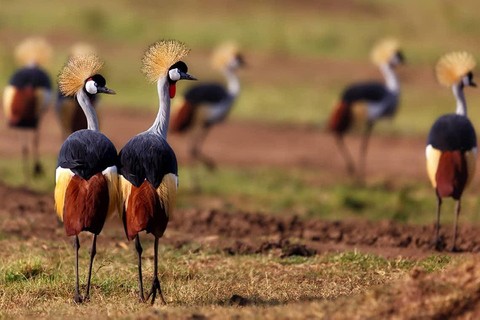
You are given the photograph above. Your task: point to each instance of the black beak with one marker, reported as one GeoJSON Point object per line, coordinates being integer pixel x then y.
{"type": "Point", "coordinates": [473, 84]}
{"type": "Point", "coordinates": [186, 76]}
{"type": "Point", "coordinates": [401, 57]}
{"type": "Point", "coordinates": [105, 90]}
{"type": "Point", "coordinates": [241, 61]}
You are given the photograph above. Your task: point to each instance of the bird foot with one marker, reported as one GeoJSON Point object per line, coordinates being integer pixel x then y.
{"type": "Point", "coordinates": [211, 166]}
{"type": "Point", "coordinates": [351, 171]}
{"type": "Point", "coordinates": [153, 291]}
{"type": "Point", "coordinates": [435, 245]}
{"type": "Point", "coordinates": [77, 298]}
{"type": "Point", "coordinates": [37, 170]}
{"type": "Point", "coordinates": [454, 249]}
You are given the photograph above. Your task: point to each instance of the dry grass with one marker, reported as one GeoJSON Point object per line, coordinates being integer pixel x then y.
{"type": "Point", "coordinates": [36, 279]}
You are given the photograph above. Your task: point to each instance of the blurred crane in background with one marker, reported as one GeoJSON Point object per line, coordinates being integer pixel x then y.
{"type": "Point", "coordinates": [207, 104]}
{"type": "Point", "coordinates": [70, 114]}
{"type": "Point", "coordinates": [452, 144]}
{"type": "Point", "coordinates": [86, 181]}
{"type": "Point", "coordinates": [27, 96]}
{"type": "Point", "coordinates": [148, 166]}
{"type": "Point", "coordinates": [364, 103]}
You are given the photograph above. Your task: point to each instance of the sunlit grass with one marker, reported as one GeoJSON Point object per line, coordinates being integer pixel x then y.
{"type": "Point", "coordinates": [37, 277]}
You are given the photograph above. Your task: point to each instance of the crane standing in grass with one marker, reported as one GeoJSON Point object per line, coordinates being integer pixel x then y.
{"type": "Point", "coordinates": [86, 183]}
{"type": "Point", "coordinates": [452, 144]}
{"type": "Point", "coordinates": [207, 104]}
{"type": "Point", "coordinates": [365, 103]}
{"type": "Point", "coordinates": [28, 95]}
{"type": "Point", "coordinates": [69, 112]}
{"type": "Point", "coordinates": [148, 167]}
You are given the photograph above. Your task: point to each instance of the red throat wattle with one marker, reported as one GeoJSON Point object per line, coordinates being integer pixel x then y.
{"type": "Point", "coordinates": [173, 90]}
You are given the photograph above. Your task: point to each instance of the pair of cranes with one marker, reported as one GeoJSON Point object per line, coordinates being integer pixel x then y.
{"type": "Point", "coordinates": [93, 181]}
{"type": "Point", "coordinates": [451, 146]}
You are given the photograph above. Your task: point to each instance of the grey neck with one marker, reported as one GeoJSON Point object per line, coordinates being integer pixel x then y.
{"type": "Point", "coordinates": [233, 84]}
{"type": "Point", "coordinates": [160, 126]}
{"type": "Point", "coordinates": [84, 101]}
{"type": "Point", "coordinates": [460, 97]}
{"type": "Point", "coordinates": [391, 80]}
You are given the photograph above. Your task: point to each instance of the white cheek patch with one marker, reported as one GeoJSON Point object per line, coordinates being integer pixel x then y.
{"type": "Point", "coordinates": [174, 74]}
{"type": "Point", "coordinates": [234, 63]}
{"type": "Point", "coordinates": [466, 81]}
{"type": "Point", "coordinates": [91, 87]}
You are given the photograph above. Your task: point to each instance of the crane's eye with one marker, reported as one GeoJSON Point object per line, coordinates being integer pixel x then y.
{"type": "Point", "coordinates": [91, 87]}
{"type": "Point", "coordinates": [174, 74]}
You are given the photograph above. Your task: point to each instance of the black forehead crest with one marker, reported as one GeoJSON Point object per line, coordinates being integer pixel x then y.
{"type": "Point", "coordinates": [99, 79]}
{"type": "Point", "coordinates": [180, 65]}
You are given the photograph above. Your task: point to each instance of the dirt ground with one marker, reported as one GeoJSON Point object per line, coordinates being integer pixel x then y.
{"type": "Point", "coordinates": [28, 215]}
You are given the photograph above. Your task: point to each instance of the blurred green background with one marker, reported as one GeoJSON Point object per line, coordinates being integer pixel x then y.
{"type": "Point", "coordinates": [300, 53]}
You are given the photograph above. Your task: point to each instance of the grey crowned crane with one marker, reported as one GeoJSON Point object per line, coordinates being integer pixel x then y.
{"type": "Point", "coordinates": [86, 183]}
{"type": "Point", "coordinates": [365, 103]}
{"type": "Point", "coordinates": [28, 95]}
{"type": "Point", "coordinates": [452, 144]}
{"type": "Point", "coordinates": [207, 104]}
{"type": "Point", "coordinates": [69, 112]}
{"type": "Point", "coordinates": [148, 166]}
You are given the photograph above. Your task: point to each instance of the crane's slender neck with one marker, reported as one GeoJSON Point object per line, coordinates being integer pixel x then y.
{"type": "Point", "coordinates": [233, 83]}
{"type": "Point", "coordinates": [460, 97]}
{"type": "Point", "coordinates": [160, 126]}
{"type": "Point", "coordinates": [391, 80]}
{"type": "Point", "coordinates": [84, 101]}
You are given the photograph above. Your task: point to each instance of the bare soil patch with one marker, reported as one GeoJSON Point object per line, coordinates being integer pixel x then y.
{"type": "Point", "coordinates": [26, 214]}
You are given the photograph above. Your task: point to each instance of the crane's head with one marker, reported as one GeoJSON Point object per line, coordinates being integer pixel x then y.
{"type": "Point", "coordinates": [81, 73]}
{"type": "Point", "coordinates": [455, 68]}
{"type": "Point", "coordinates": [34, 51]}
{"type": "Point", "coordinates": [387, 52]}
{"type": "Point", "coordinates": [177, 72]}
{"type": "Point", "coordinates": [96, 84]}
{"type": "Point", "coordinates": [398, 58]}
{"type": "Point", "coordinates": [163, 59]}
{"type": "Point", "coordinates": [228, 56]}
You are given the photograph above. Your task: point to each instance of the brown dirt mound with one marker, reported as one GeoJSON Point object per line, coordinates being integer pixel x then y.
{"type": "Point", "coordinates": [388, 238]}
{"type": "Point", "coordinates": [453, 294]}
{"type": "Point", "coordinates": [28, 214]}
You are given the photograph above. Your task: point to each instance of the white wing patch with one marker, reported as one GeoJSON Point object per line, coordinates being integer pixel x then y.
{"type": "Point", "coordinates": [61, 170]}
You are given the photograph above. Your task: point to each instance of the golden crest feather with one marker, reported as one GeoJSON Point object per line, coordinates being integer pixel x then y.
{"type": "Point", "coordinates": [223, 55]}
{"type": "Point", "coordinates": [160, 56]}
{"type": "Point", "coordinates": [34, 51]}
{"type": "Point", "coordinates": [78, 69]}
{"type": "Point", "coordinates": [453, 66]}
{"type": "Point", "coordinates": [383, 51]}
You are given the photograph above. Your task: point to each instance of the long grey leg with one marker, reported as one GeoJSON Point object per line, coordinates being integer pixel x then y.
{"type": "Point", "coordinates": [434, 244]}
{"type": "Point", "coordinates": [139, 249]}
{"type": "Point", "coordinates": [93, 252]}
{"type": "Point", "coordinates": [363, 152]}
{"type": "Point", "coordinates": [76, 246]}
{"type": "Point", "coordinates": [156, 282]}
{"type": "Point", "coordinates": [345, 154]}
{"type": "Point", "coordinates": [37, 169]}
{"type": "Point", "coordinates": [454, 248]}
